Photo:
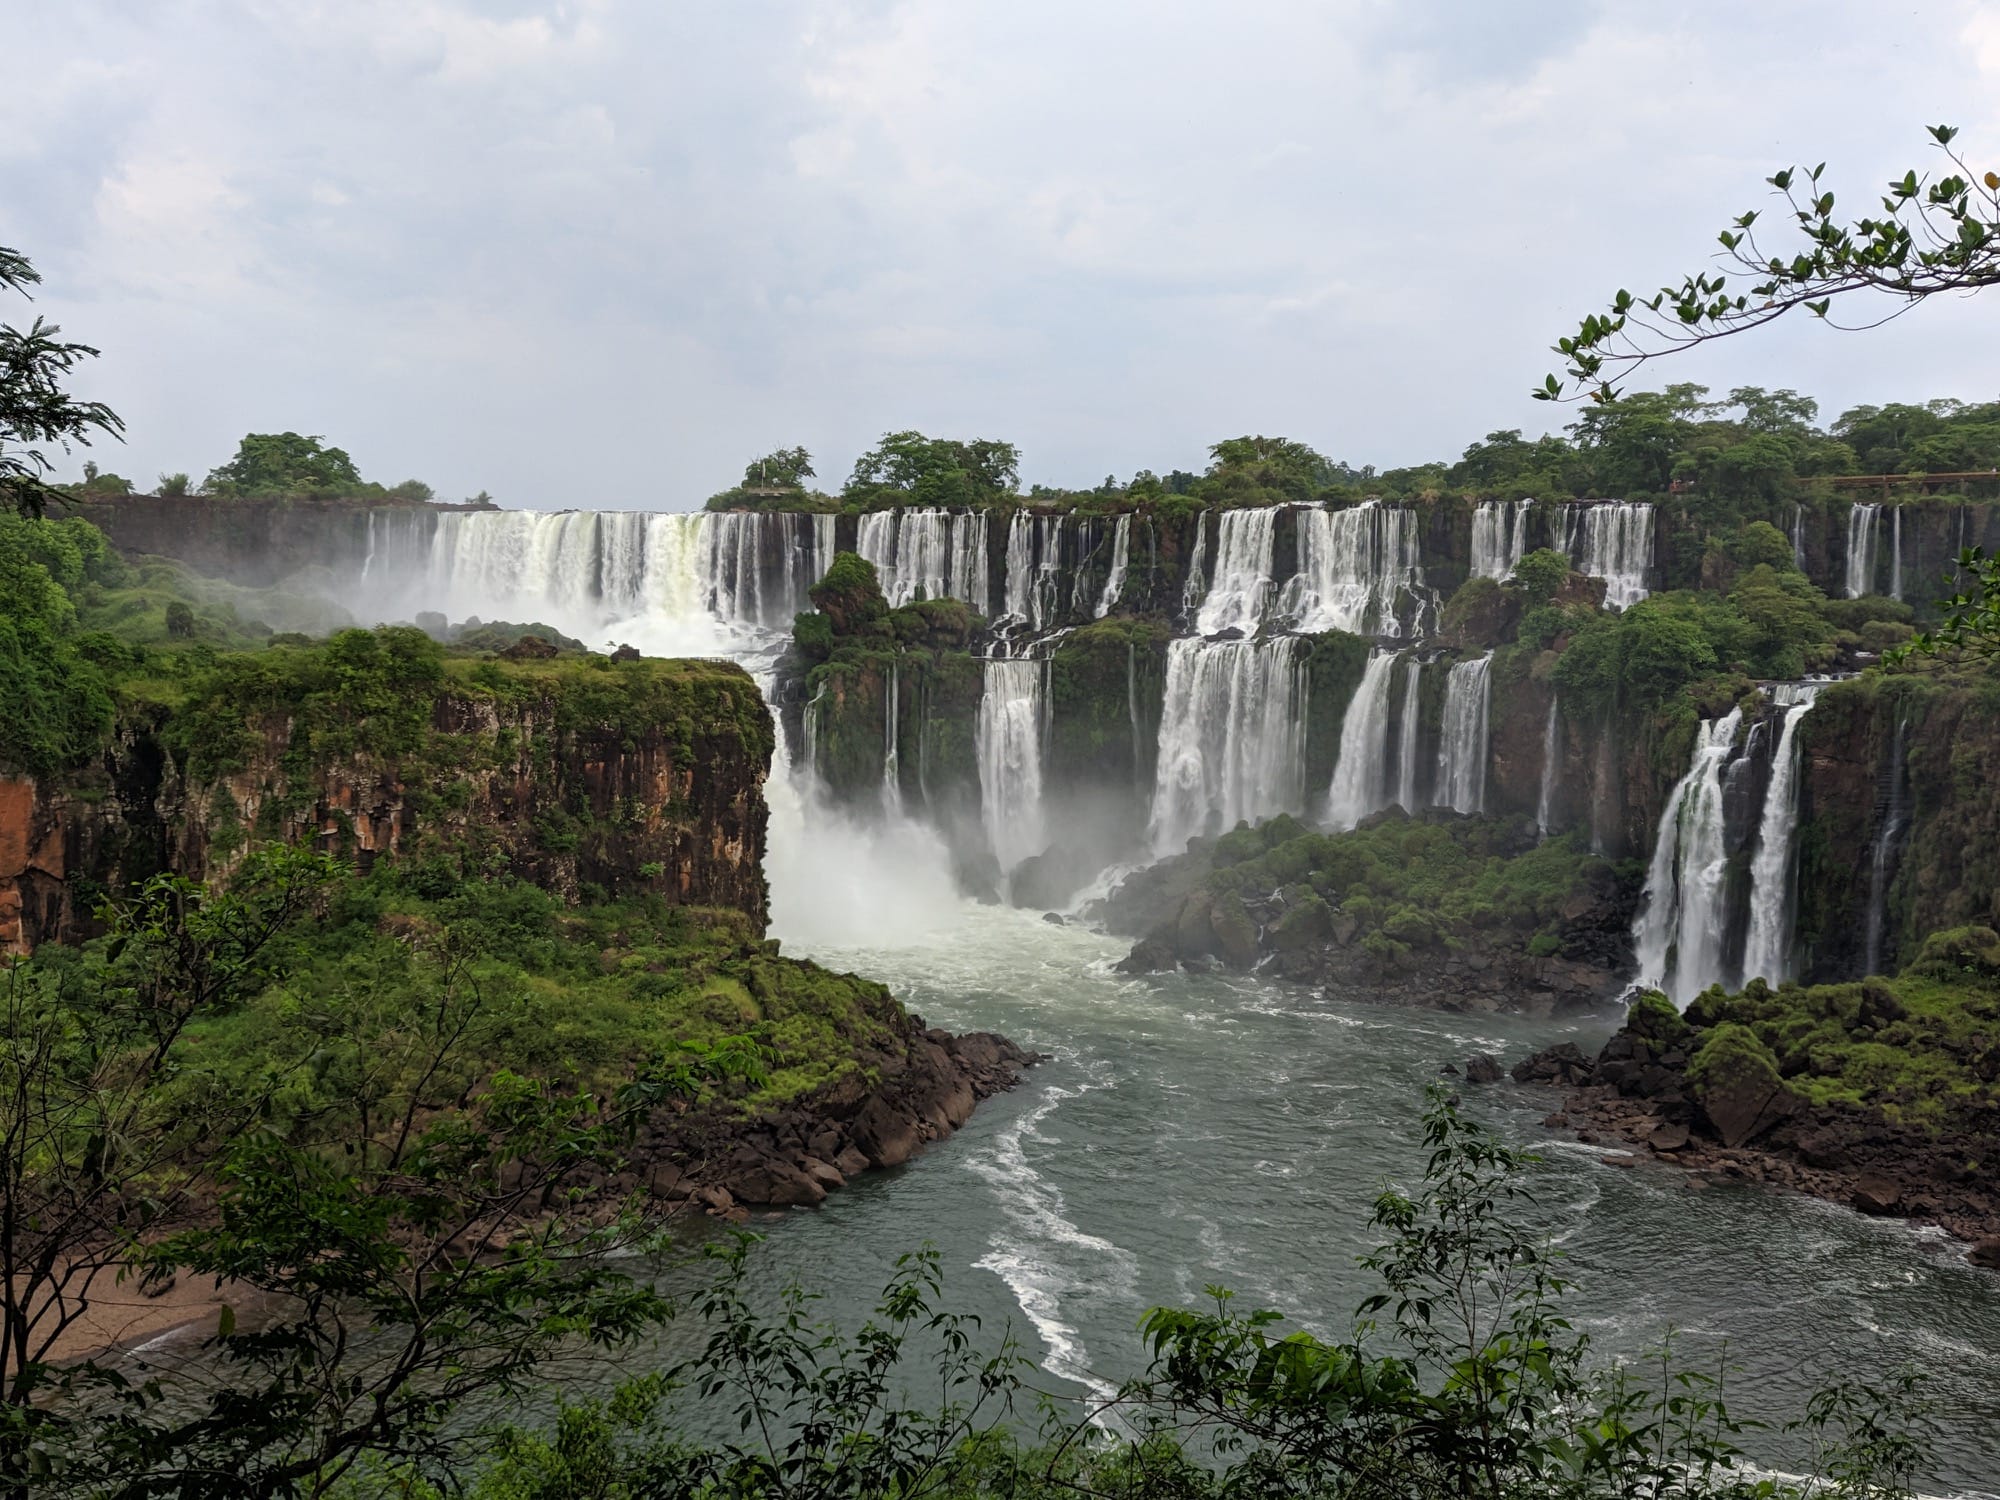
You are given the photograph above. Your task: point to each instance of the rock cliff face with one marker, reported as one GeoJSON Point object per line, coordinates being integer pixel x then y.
{"type": "Point", "coordinates": [645, 776]}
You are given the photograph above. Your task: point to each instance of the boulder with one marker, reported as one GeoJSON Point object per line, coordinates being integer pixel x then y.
{"type": "Point", "coordinates": [1735, 1080]}
{"type": "Point", "coordinates": [1563, 1064]}
{"type": "Point", "coordinates": [1235, 933]}
{"type": "Point", "coordinates": [887, 1138]}
{"type": "Point", "coordinates": [1985, 1252]}
{"type": "Point", "coordinates": [1482, 1069]}
{"type": "Point", "coordinates": [1668, 1137]}
{"type": "Point", "coordinates": [1877, 1193]}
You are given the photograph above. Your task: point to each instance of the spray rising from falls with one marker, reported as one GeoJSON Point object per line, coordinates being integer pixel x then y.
{"type": "Point", "coordinates": [1242, 584]}
{"type": "Point", "coordinates": [1008, 737]}
{"type": "Point", "coordinates": [1864, 545]}
{"type": "Point", "coordinates": [1232, 738]}
{"type": "Point", "coordinates": [1462, 744]}
{"type": "Point", "coordinates": [1612, 540]}
{"type": "Point", "coordinates": [1354, 567]}
{"type": "Point", "coordinates": [1360, 775]}
{"type": "Point", "coordinates": [1767, 951]}
{"type": "Point", "coordinates": [1499, 536]}
{"type": "Point", "coordinates": [1680, 928]}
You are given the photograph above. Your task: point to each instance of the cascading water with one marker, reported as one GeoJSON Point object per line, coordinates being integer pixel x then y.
{"type": "Point", "coordinates": [1232, 737]}
{"type": "Point", "coordinates": [1545, 799]}
{"type": "Point", "coordinates": [892, 770]}
{"type": "Point", "coordinates": [1114, 582]}
{"type": "Point", "coordinates": [1035, 578]}
{"type": "Point", "coordinates": [1242, 583]}
{"type": "Point", "coordinates": [1408, 733]}
{"type": "Point", "coordinates": [1896, 553]}
{"type": "Point", "coordinates": [1008, 741]}
{"type": "Point", "coordinates": [1360, 775]}
{"type": "Point", "coordinates": [1196, 584]}
{"type": "Point", "coordinates": [1353, 565]}
{"type": "Point", "coordinates": [1499, 536]}
{"type": "Point", "coordinates": [1799, 537]}
{"type": "Point", "coordinates": [1767, 950]}
{"type": "Point", "coordinates": [1680, 927]}
{"type": "Point", "coordinates": [1461, 777]}
{"type": "Point", "coordinates": [1612, 540]}
{"type": "Point", "coordinates": [1864, 536]}
{"type": "Point", "coordinates": [941, 553]}
{"type": "Point", "coordinates": [1892, 822]}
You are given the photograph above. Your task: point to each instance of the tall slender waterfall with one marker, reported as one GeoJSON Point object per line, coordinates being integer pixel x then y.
{"type": "Point", "coordinates": [892, 769]}
{"type": "Point", "coordinates": [1767, 951]}
{"type": "Point", "coordinates": [1864, 543]}
{"type": "Point", "coordinates": [1114, 581]}
{"type": "Point", "coordinates": [1242, 584]}
{"type": "Point", "coordinates": [1545, 799]}
{"type": "Point", "coordinates": [1499, 536]}
{"type": "Point", "coordinates": [1232, 737]}
{"type": "Point", "coordinates": [1892, 822]}
{"type": "Point", "coordinates": [1361, 775]}
{"type": "Point", "coordinates": [1461, 780]}
{"type": "Point", "coordinates": [1408, 733]}
{"type": "Point", "coordinates": [1612, 540]}
{"type": "Point", "coordinates": [1196, 583]}
{"type": "Point", "coordinates": [1036, 581]}
{"type": "Point", "coordinates": [1679, 930]}
{"type": "Point", "coordinates": [1008, 740]}
{"type": "Point", "coordinates": [1896, 553]}
{"type": "Point", "coordinates": [1353, 564]}
{"type": "Point", "coordinates": [1799, 537]}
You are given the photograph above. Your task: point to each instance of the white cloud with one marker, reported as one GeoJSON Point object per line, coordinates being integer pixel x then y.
{"type": "Point", "coordinates": [599, 252]}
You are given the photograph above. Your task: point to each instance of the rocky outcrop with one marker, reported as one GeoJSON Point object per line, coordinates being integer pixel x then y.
{"type": "Point", "coordinates": [643, 776]}
{"type": "Point", "coordinates": [1712, 1099]}
{"type": "Point", "coordinates": [906, 1095]}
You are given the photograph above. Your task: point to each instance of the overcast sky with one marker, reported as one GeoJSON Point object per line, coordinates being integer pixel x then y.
{"type": "Point", "coordinates": [603, 252]}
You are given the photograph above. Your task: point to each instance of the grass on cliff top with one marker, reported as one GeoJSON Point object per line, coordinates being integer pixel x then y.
{"type": "Point", "coordinates": [1419, 884]}
{"type": "Point", "coordinates": [580, 997]}
{"type": "Point", "coordinates": [1919, 1048]}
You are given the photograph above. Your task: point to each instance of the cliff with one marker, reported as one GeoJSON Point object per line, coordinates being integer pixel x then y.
{"type": "Point", "coordinates": [581, 775]}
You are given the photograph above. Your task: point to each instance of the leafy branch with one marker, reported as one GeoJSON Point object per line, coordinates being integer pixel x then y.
{"type": "Point", "coordinates": [1930, 237]}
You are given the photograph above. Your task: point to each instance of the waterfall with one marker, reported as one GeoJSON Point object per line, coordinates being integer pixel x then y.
{"type": "Point", "coordinates": [1499, 536]}
{"type": "Point", "coordinates": [1892, 812]}
{"type": "Point", "coordinates": [1799, 537]}
{"type": "Point", "coordinates": [1114, 582]}
{"type": "Point", "coordinates": [1232, 737]}
{"type": "Point", "coordinates": [942, 553]}
{"type": "Point", "coordinates": [892, 770]}
{"type": "Point", "coordinates": [1407, 735]}
{"type": "Point", "coordinates": [1461, 777]}
{"type": "Point", "coordinates": [1360, 775]}
{"type": "Point", "coordinates": [1864, 533]}
{"type": "Point", "coordinates": [1767, 952]}
{"type": "Point", "coordinates": [811, 554]}
{"type": "Point", "coordinates": [1242, 583]}
{"type": "Point", "coordinates": [1132, 710]}
{"type": "Point", "coordinates": [1353, 563]}
{"type": "Point", "coordinates": [1008, 740]}
{"type": "Point", "coordinates": [1612, 540]}
{"type": "Point", "coordinates": [1545, 800]}
{"type": "Point", "coordinates": [1896, 553]}
{"type": "Point", "coordinates": [1681, 921]}
{"type": "Point", "coordinates": [1195, 586]}
{"type": "Point", "coordinates": [1036, 582]}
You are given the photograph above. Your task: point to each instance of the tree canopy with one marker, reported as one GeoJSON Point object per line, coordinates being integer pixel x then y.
{"type": "Point", "coordinates": [35, 411]}
{"type": "Point", "coordinates": [283, 463]}
{"type": "Point", "coordinates": [909, 468]}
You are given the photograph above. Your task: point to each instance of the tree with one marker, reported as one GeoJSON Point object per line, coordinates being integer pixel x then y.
{"type": "Point", "coordinates": [34, 409]}
{"type": "Point", "coordinates": [283, 463]}
{"type": "Point", "coordinates": [1931, 237]}
{"type": "Point", "coordinates": [907, 468]}
{"type": "Point", "coordinates": [784, 469]}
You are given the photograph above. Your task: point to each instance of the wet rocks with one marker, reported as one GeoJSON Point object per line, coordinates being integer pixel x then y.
{"type": "Point", "coordinates": [1482, 1069]}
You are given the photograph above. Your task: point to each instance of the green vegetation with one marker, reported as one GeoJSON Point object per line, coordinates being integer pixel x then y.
{"type": "Point", "coordinates": [287, 463]}
{"type": "Point", "coordinates": [1410, 885]}
{"type": "Point", "coordinates": [58, 698]}
{"type": "Point", "coordinates": [36, 413]}
{"type": "Point", "coordinates": [1922, 1049]}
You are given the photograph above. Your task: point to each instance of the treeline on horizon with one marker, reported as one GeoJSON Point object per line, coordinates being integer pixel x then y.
{"type": "Point", "coordinates": [1752, 445]}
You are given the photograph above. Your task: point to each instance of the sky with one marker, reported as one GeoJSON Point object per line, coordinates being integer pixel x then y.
{"type": "Point", "coordinates": [605, 252]}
